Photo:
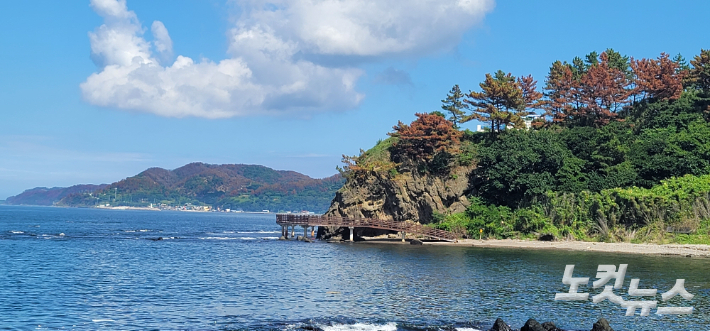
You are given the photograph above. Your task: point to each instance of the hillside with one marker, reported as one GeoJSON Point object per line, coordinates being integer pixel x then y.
{"type": "Point", "coordinates": [42, 196]}
{"type": "Point", "coordinates": [226, 186]}
{"type": "Point", "coordinates": [610, 149]}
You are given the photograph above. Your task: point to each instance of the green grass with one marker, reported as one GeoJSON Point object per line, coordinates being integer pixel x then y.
{"type": "Point", "coordinates": [377, 154]}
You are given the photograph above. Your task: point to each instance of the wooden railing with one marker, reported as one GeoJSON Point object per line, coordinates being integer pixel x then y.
{"type": "Point", "coordinates": [318, 220]}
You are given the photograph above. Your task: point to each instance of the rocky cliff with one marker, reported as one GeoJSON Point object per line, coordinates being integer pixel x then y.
{"type": "Point", "coordinates": [407, 196]}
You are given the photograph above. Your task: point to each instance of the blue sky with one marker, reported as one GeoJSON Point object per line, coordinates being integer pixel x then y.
{"type": "Point", "coordinates": [96, 91]}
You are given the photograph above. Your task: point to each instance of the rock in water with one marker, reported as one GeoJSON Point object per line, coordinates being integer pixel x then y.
{"type": "Point", "coordinates": [532, 325]}
{"type": "Point", "coordinates": [602, 325]}
{"type": "Point", "coordinates": [416, 242]}
{"type": "Point", "coordinates": [549, 326]}
{"type": "Point", "coordinates": [499, 325]}
{"type": "Point", "coordinates": [282, 238]}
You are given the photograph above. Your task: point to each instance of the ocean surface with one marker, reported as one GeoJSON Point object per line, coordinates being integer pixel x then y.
{"type": "Point", "coordinates": [89, 269]}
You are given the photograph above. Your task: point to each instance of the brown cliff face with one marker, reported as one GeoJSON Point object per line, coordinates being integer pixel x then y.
{"type": "Point", "coordinates": [402, 197]}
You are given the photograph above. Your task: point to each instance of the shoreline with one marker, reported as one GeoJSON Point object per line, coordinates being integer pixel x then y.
{"type": "Point", "coordinates": [684, 250]}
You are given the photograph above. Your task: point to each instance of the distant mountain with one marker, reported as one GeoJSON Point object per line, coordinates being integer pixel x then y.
{"type": "Point", "coordinates": [42, 196]}
{"type": "Point", "coordinates": [234, 186]}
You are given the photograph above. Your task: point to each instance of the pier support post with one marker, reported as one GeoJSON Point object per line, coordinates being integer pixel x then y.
{"type": "Point", "coordinates": [305, 231]}
{"type": "Point", "coordinates": [404, 234]}
{"type": "Point", "coordinates": [283, 231]}
{"type": "Point", "coordinates": [293, 231]}
{"type": "Point", "coordinates": [352, 233]}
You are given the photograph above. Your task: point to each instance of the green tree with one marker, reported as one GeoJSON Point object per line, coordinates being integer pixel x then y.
{"type": "Point", "coordinates": [499, 103]}
{"type": "Point", "coordinates": [700, 73]}
{"type": "Point", "coordinates": [520, 165]}
{"type": "Point", "coordinates": [454, 105]}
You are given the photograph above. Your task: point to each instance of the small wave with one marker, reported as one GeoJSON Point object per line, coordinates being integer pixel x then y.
{"type": "Point", "coordinates": [246, 238]}
{"type": "Point", "coordinates": [269, 238]}
{"type": "Point", "coordinates": [102, 320]}
{"type": "Point", "coordinates": [129, 231]}
{"type": "Point", "coordinates": [218, 238]}
{"type": "Point", "coordinates": [467, 329]}
{"type": "Point", "coordinates": [360, 327]}
{"type": "Point", "coordinates": [248, 232]}
{"type": "Point", "coordinates": [143, 230]}
{"type": "Point", "coordinates": [17, 232]}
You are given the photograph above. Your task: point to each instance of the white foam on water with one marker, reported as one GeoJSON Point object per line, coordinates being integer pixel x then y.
{"type": "Point", "coordinates": [143, 230]}
{"type": "Point", "coordinates": [247, 238]}
{"type": "Point", "coordinates": [467, 329]}
{"type": "Point", "coordinates": [269, 238]}
{"type": "Point", "coordinates": [361, 327]}
{"type": "Point", "coordinates": [102, 320]}
{"type": "Point", "coordinates": [228, 232]}
{"type": "Point", "coordinates": [217, 238]}
{"type": "Point", "coordinates": [130, 231]}
{"type": "Point", "coordinates": [17, 232]}
{"type": "Point", "coordinates": [246, 232]}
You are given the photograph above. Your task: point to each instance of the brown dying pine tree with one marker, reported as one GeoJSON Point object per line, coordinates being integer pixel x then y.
{"type": "Point", "coordinates": [658, 79]}
{"type": "Point", "coordinates": [561, 93]}
{"type": "Point", "coordinates": [603, 90]}
{"type": "Point", "coordinates": [426, 136]}
{"type": "Point", "coordinates": [532, 99]}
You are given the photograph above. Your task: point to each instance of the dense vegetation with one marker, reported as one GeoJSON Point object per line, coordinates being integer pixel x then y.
{"type": "Point", "coordinates": [229, 186]}
{"type": "Point", "coordinates": [611, 148]}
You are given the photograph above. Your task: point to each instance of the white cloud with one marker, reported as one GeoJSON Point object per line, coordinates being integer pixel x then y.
{"type": "Point", "coordinates": [369, 27]}
{"type": "Point", "coordinates": [161, 40]}
{"type": "Point", "coordinates": [285, 57]}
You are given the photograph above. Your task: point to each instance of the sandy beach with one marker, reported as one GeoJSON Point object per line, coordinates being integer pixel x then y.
{"type": "Point", "coordinates": [628, 248]}
{"type": "Point", "coordinates": [648, 249]}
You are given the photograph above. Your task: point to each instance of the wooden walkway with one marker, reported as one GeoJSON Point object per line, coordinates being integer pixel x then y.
{"type": "Point", "coordinates": [306, 221]}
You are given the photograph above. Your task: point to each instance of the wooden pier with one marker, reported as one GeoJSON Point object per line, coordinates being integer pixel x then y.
{"type": "Point", "coordinates": [311, 221]}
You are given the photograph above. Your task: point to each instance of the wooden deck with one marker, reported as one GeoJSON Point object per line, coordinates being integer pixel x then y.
{"type": "Point", "coordinates": [405, 227]}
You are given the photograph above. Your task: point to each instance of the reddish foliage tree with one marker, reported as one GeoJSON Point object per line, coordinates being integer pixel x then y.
{"type": "Point", "coordinates": [531, 97]}
{"type": "Point", "coordinates": [603, 90]}
{"type": "Point", "coordinates": [426, 136]}
{"type": "Point", "coordinates": [562, 92]}
{"type": "Point", "coordinates": [658, 79]}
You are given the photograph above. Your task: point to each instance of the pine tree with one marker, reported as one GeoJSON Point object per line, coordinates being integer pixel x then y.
{"type": "Point", "coordinates": [454, 105]}
{"type": "Point", "coordinates": [658, 79]}
{"type": "Point", "coordinates": [604, 91]}
{"type": "Point", "coordinates": [700, 74]}
{"type": "Point", "coordinates": [562, 92]}
{"type": "Point", "coordinates": [499, 103]}
{"type": "Point", "coordinates": [681, 62]}
{"type": "Point", "coordinates": [425, 137]}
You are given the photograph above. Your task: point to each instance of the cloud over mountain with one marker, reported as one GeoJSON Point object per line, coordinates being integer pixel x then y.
{"type": "Point", "coordinates": [284, 57]}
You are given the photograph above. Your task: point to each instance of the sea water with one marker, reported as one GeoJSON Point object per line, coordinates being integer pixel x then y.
{"type": "Point", "coordinates": [89, 269]}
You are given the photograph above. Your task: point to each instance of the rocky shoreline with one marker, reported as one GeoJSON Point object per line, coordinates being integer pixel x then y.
{"type": "Point", "coordinates": [532, 325]}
